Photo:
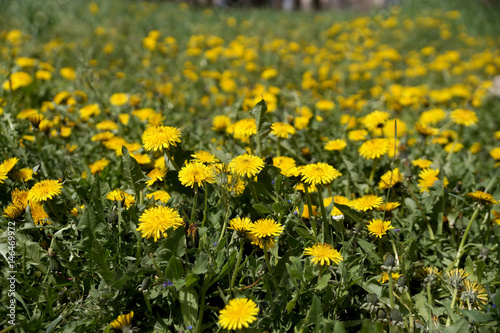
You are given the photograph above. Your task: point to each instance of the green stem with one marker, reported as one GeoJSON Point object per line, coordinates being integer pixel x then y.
{"type": "Point", "coordinates": [430, 299]}
{"type": "Point", "coordinates": [49, 202]}
{"type": "Point", "coordinates": [464, 238]}
{"type": "Point", "coordinates": [372, 173]}
{"type": "Point", "coordinates": [199, 322]}
{"type": "Point", "coordinates": [452, 307]}
{"type": "Point", "coordinates": [268, 263]}
{"type": "Point", "coordinates": [487, 221]}
{"type": "Point", "coordinates": [326, 229]}
{"type": "Point", "coordinates": [259, 149]}
{"type": "Point", "coordinates": [120, 223]}
{"type": "Point", "coordinates": [160, 273]}
{"type": "Point", "coordinates": [205, 210]}
{"type": "Point", "coordinates": [391, 290]}
{"type": "Point", "coordinates": [314, 227]}
{"type": "Point", "coordinates": [167, 153]}
{"type": "Point", "coordinates": [148, 304]}
{"type": "Point", "coordinates": [195, 203]}
{"type": "Point", "coordinates": [237, 266]}
{"type": "Point", "coordinates": [278, 152]}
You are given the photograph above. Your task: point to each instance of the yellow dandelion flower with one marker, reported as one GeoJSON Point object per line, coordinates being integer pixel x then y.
{"type": "Point", "coordinates": [378, 228]}
{"type": "Point", "coordinates": [427, 177]}
{"type": "Point", "coordinates": [319, 174]}
{"type": "Point", "coordinates": [240, 225]}
{"type": "Point", "coordinates": [324, 105]}
{"type": "Point", "coordinates": [89, 110]}
{"type": "Point", "coordinates": [68, 73]}
{"type": "Point", "coordinates": [162, 196]}
{"type": "Point", "coordinates": [338, 199]}
{"type": "Point", "coordinates": [12, 211]}
{"type": "Point", "coordinates": [118, 99]}
{"type": "Point", "coordinates": [98, 166]}
{"type": "Point", "coordinates": [374, 148]}
{"type": "Point", "coordinates": [44, 190]}
{"type": "Point", "coordinates": [20, 198]}
{"type": "Point", "coordinates": [17, 80]}
{"type": "Point", "coordinates": [238, 313]}
{"type": "Point", "coordinates": [202, 156]}
{"type": "Point", "coordinates": [385, 277]}
{"type": "Point", "coordinates": [155, 221]}
{"type": "Point", "coordinates": [265, 228]}
{"type": "Point", "coordinates": [433, 116]}
{"type": "Point", "coordinates": [473, 296]}
{"type": "Point", "coordinates": [456, 277]}
{"type": "Point", "coordinates": [464, 117]}
{"type": "Point", "coordinates": [375, 120]}
{"type": "Point", "coordinates": [119, 195]}
{"type": "Point", "coordinates": [107, 125]}
{"type": "Point", "coordinates": [389, 179]}
{"type": "Point", "coordinates": [123, 322]}
{"type": "Point", "coordinates": [323, 253]}
{"type": "Point", "coordinates": [305, 212]}
{"type": "Point", "coordinates": [387, 207]}
{"type": "Point", "coordinates": [335, 145]}
{"type": "Point", "coordinates": [425, 130]}
{"type": "Point", "coordinates": [282, 130]}
{"type": "Point", "coordinates": [156, 174]}
{"type": "Point", "coordinates": [157, 138]}
{"type": "Point", "coordinates": [24, 174]}
{"type": "Point", "coordinates": [196, 173]}
{"type": "Point", "coordinates": [246, 165]}
{"type": "Point", "coordinates": [220, 123]}
{"type": "Point", "coordinates": [367, 202]}
{"type": "Point", "coordinates": [483, 197]}
{"type": "Point", "coordinates": [421, 163]}
{"type": "Point", "coordinates": [495, 153]}
{"type": "Point", "coordinates": [455, 146]}
{"type": "Point", "coordinates": [38, 214]}
{"type": "Point", "coordinates": [285, 164]}
{"type": "Point", "coordinates": [244, 128]}
{"type": "Point", "coordinates": [357, 135]}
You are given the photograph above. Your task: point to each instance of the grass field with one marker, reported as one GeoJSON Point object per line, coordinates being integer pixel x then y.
{"type": "Point", "coordinates": [167, 169]}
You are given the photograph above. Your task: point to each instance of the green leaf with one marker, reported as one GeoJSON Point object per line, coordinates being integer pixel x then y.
{"type": "Point", "coordinates": [201, 264]}
{"type": "Point", "coordinates": [323, 282]}
{"type": "Point", "coordinates": [189, 306]}
{"type": "Point", "coordinates": [469, 265]}
{"type": "Point", "coordinates": [54, 323]}
{"type": "Point", "coordinates": [132, 172]}
{"type": "Point", "coordinates": [461, 326]}
{"type": "Point", "coordinates": [480, 266]}
{"type": "Point", "coordinates": [367, 248]}
{"type": "Point", "coordinates": [315, 313]}
{"type": "Point", "coordinates": [351, 213]}
{"type": "Point", "coordinates": [478, 316]}
{"type": "Point", "coordinates": [174, 270]}
{"type": "Point", "coordinates": [258, 112]}
{"type": "Point", "coordinates": [304, 233]}
{"type": "Point", "coordinates": [261, 209]}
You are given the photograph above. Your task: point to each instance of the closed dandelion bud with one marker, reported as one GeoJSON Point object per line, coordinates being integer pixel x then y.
{"type": "Point", "coordinates": [144, 284]}
{"type": "Point", "coordinates": [382, 315]}
{"type": "Point", "coordinates": [73, 295]}
{"type": "Point", "coordinates": [372, 304]}
{"type": "Point", "coordinates": [483, 253]}
{"type": "Point", "coordinates": [396, 318]}
{"type": "Point", "coordinates": [62, 297]}
{"type": "Point", "coordinates": [306, 153]}
{"type": "Point", "coordinates": [389, 263]}
{"type": "Point", "coordinates": [401, 285]}
{"type": "Point", "coordinates": [54, 265]}
{"type": "Point", "coordinates": [113, 218]}
{"type": "Point", "coordinates": [359, 227]}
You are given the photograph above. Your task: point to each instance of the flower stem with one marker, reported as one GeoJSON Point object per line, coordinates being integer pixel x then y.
{"type": "Point", "coordinates": [453, 301]}
{"type": "Point", "coordinates": [205, 210]}
{"type": "Point", "coordinates": [391, 290]}
{"type": "Point", "coordinates": [167, 153]}
{"type": "Point", "coordinates": [278, 152]}
{"type": "Point", "coordinates": [464, 238]}
{"type": "Point", "coordinates": [326, 229]}
{"type": "Point", "coordinates": [237, 266]}
{"type": "Point", "coordinates": [254, 193]}
{"type": "Point", "coordinates": [195, 203]}
{"type": "Point", "coordinates": [309, 207]}
{"type": "Point", "coordinates": [372, 173]}
{"type": "Point", "coordinates": [266, 257]}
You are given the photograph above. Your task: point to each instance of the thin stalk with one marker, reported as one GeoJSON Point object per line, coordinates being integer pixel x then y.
{"type": "Point", "coordinates": [237, 266]}
{"type": "Point", "coordinates": [391, 290]}
{"type": "Point", "coordinates": [259, 148]}
{"type": "Point", "coordinates": [278, 151]}
{"type": "Point", "coordinates": [452, 307]}
{"type": "Point", "coordinates": [148, 304]}
{"type": "Point", "coordinates": [167, 153]}
{"type": "Point", "coordinates": [326, 227]}
{"type": "Point", "coordinates": [487, 221]}
{"type": "Point", "coordinates": [205, 210]}
{"type": "Point", "coordinates": [195, 203]}
{"type": "Point", "coordinates": [53, 210]}
{"type": "Point", "coordinates": [199, 322]}
{"type": "Point", "coordinates": [372, 173]}
{"type": "Point", "coordinates": [160, 273]}
{"type": "Point", "coordinates": [120, 223]}
{"type": "Point", "coordinates": [314, 227]}
{"type": "Point", "coordinates": [268, 263]}
{"type": "Point", "coordinates": [464, 238]}
{"type": "Point", "coordinates": [430, 299]}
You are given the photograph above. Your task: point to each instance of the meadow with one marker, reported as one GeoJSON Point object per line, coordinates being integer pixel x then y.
{"type": "Point", "coordinates": [174, 169]}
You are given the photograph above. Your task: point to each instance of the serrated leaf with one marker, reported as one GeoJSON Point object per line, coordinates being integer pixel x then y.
{"type": "Point", "coordinates": [323, 282]}
{"type": "Point", "coordinates": [201, 264]}
{"type": "Point", "coordinates": [367, 248]}
{"type": "Point", "coordinates": [132, 172]}
{"type": "Point", "coordinates": [478, 316]}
